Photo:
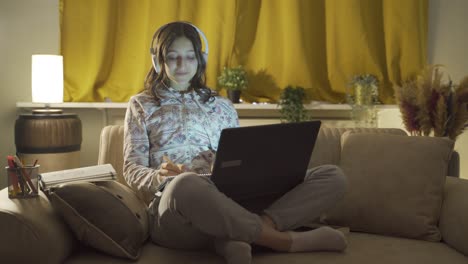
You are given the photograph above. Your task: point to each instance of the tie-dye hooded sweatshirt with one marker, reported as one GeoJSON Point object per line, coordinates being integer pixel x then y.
{"type": "Point", "coordinates": [181, 128]}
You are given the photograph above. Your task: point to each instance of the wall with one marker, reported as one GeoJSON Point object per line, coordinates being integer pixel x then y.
{"type": "Point", "coordinates": [448, 36]}
{"type": "Point", "coordinates": [447, 45]}
{"type": "Point", "coordinates": [30, 26]}
{"type": "Point", "coordinates": [26, 27]}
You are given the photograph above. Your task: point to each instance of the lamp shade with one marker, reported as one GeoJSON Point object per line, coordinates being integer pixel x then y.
{"type": "Point", "coordinates": [47, 78]}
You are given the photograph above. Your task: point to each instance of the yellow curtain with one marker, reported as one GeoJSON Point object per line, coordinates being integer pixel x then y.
{"type": "Point", "coordinates": [106, 43]}
{"type": "Point", "coordinates": [385, 38]}
{"type": "Point", "coordinates": [316, 44]}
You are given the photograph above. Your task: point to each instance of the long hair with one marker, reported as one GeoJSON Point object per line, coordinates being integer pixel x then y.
{"type": "Point", "coordinates": [163, 39]}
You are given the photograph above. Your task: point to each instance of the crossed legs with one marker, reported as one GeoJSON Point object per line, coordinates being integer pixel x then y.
{"type": "Point", "coordinates": [192, 211]}
{"type": "Point", "coordinates": [323, 186]}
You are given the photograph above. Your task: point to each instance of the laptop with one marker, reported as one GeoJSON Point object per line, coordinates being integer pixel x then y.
{"type": "Point", "coordinates": [263, 161]}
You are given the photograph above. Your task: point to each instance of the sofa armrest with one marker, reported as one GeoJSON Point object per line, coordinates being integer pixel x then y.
{"type": "Point", "coordinates": [111, 149]}
{"type": "Point", "coordinates": [454, 216]}
{"type": "Point", "coordinates": [31, 232]}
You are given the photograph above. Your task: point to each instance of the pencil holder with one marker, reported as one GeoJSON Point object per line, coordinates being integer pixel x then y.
{"type": "Point", "coordinates": [22, 182]}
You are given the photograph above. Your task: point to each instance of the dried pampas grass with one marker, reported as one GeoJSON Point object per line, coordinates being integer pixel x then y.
{"type": "Point", "coordinates": [431, 104]}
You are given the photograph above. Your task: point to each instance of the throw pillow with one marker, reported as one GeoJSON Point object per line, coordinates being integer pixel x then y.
{"type": "Point", "coordinates": [104, 215]}
{"type": "Point", "coordinates": [395, 184]}
{"type": "Point", "coordinates": [31, 231]}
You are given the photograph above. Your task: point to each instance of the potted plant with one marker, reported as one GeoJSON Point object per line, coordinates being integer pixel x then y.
{"type": "Point", "coordinates": [292, 105]}
{"type": "Point", "coordinates": [366, 90]}
{"type": "Point", "coordinates": [363, 98]}
{"type": "Point", "coordinates": [234, 80]}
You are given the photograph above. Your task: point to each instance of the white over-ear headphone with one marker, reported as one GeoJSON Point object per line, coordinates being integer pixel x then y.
{"type": "Point", "coordinates": [154, 56]}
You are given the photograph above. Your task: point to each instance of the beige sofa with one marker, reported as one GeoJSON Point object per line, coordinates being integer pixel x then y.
{"type": "Point", "coordinates": [31, 231]}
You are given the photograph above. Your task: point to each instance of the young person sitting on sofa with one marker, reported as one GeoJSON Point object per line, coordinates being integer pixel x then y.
{"type": "Point", "coordinates": [173, 127]}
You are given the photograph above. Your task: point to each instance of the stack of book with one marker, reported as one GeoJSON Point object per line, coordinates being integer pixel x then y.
{"type": "Point", "coordinates": [95, 173]}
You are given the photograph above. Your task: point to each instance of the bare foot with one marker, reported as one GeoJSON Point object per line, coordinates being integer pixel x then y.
{"type": "Point", "coordinates": [268, 221]}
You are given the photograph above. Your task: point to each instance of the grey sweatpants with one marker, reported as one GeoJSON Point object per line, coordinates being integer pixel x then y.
{"type": "Point", "coordinates": [191, 211]}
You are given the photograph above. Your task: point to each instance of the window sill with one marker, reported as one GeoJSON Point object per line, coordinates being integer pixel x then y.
{"type": "Point", "coordinates": [316, 110]}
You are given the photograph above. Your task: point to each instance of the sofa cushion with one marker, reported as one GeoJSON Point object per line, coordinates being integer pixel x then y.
{"type": "Point", "coordinates": [396, 184]}
{"type": "Point", "coordinates": [31, 232]}
{"type": "Point", "coordinates": [362, 249]}
{"type": "Point", "coordinates": [327, 149]}
{"type": "Point", "coordinates": [104, 215]}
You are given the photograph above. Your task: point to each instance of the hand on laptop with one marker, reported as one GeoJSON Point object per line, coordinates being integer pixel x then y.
{"type": "Point", "coordinates": [203, 162]}
{"type": "Point", "coordinates": [168, 168]}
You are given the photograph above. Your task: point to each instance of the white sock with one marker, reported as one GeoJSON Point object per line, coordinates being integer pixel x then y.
{"type": "Point", "coordinates": [234, 252]}
{"type": "Point", "coordinates": [321, 239]}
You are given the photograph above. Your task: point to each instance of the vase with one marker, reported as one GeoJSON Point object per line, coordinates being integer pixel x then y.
{"type": "Point", "coordinates": [362, 95]}
{"type": "Point", "coordinates": [364, 115]}
{"type": "Point", "coordinates": [234, 96]}
{"type": "Point", "coordinates": [363, 110]}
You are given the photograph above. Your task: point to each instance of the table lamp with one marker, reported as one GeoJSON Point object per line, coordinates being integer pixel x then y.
{"type": "Point", "coordinates": [48, 135]}
{"type": "Point", "coordinates": [47, 81]}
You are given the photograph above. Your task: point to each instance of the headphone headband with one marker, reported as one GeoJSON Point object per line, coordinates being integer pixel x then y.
{"type": "Point", "coordinates": [156, 66]}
